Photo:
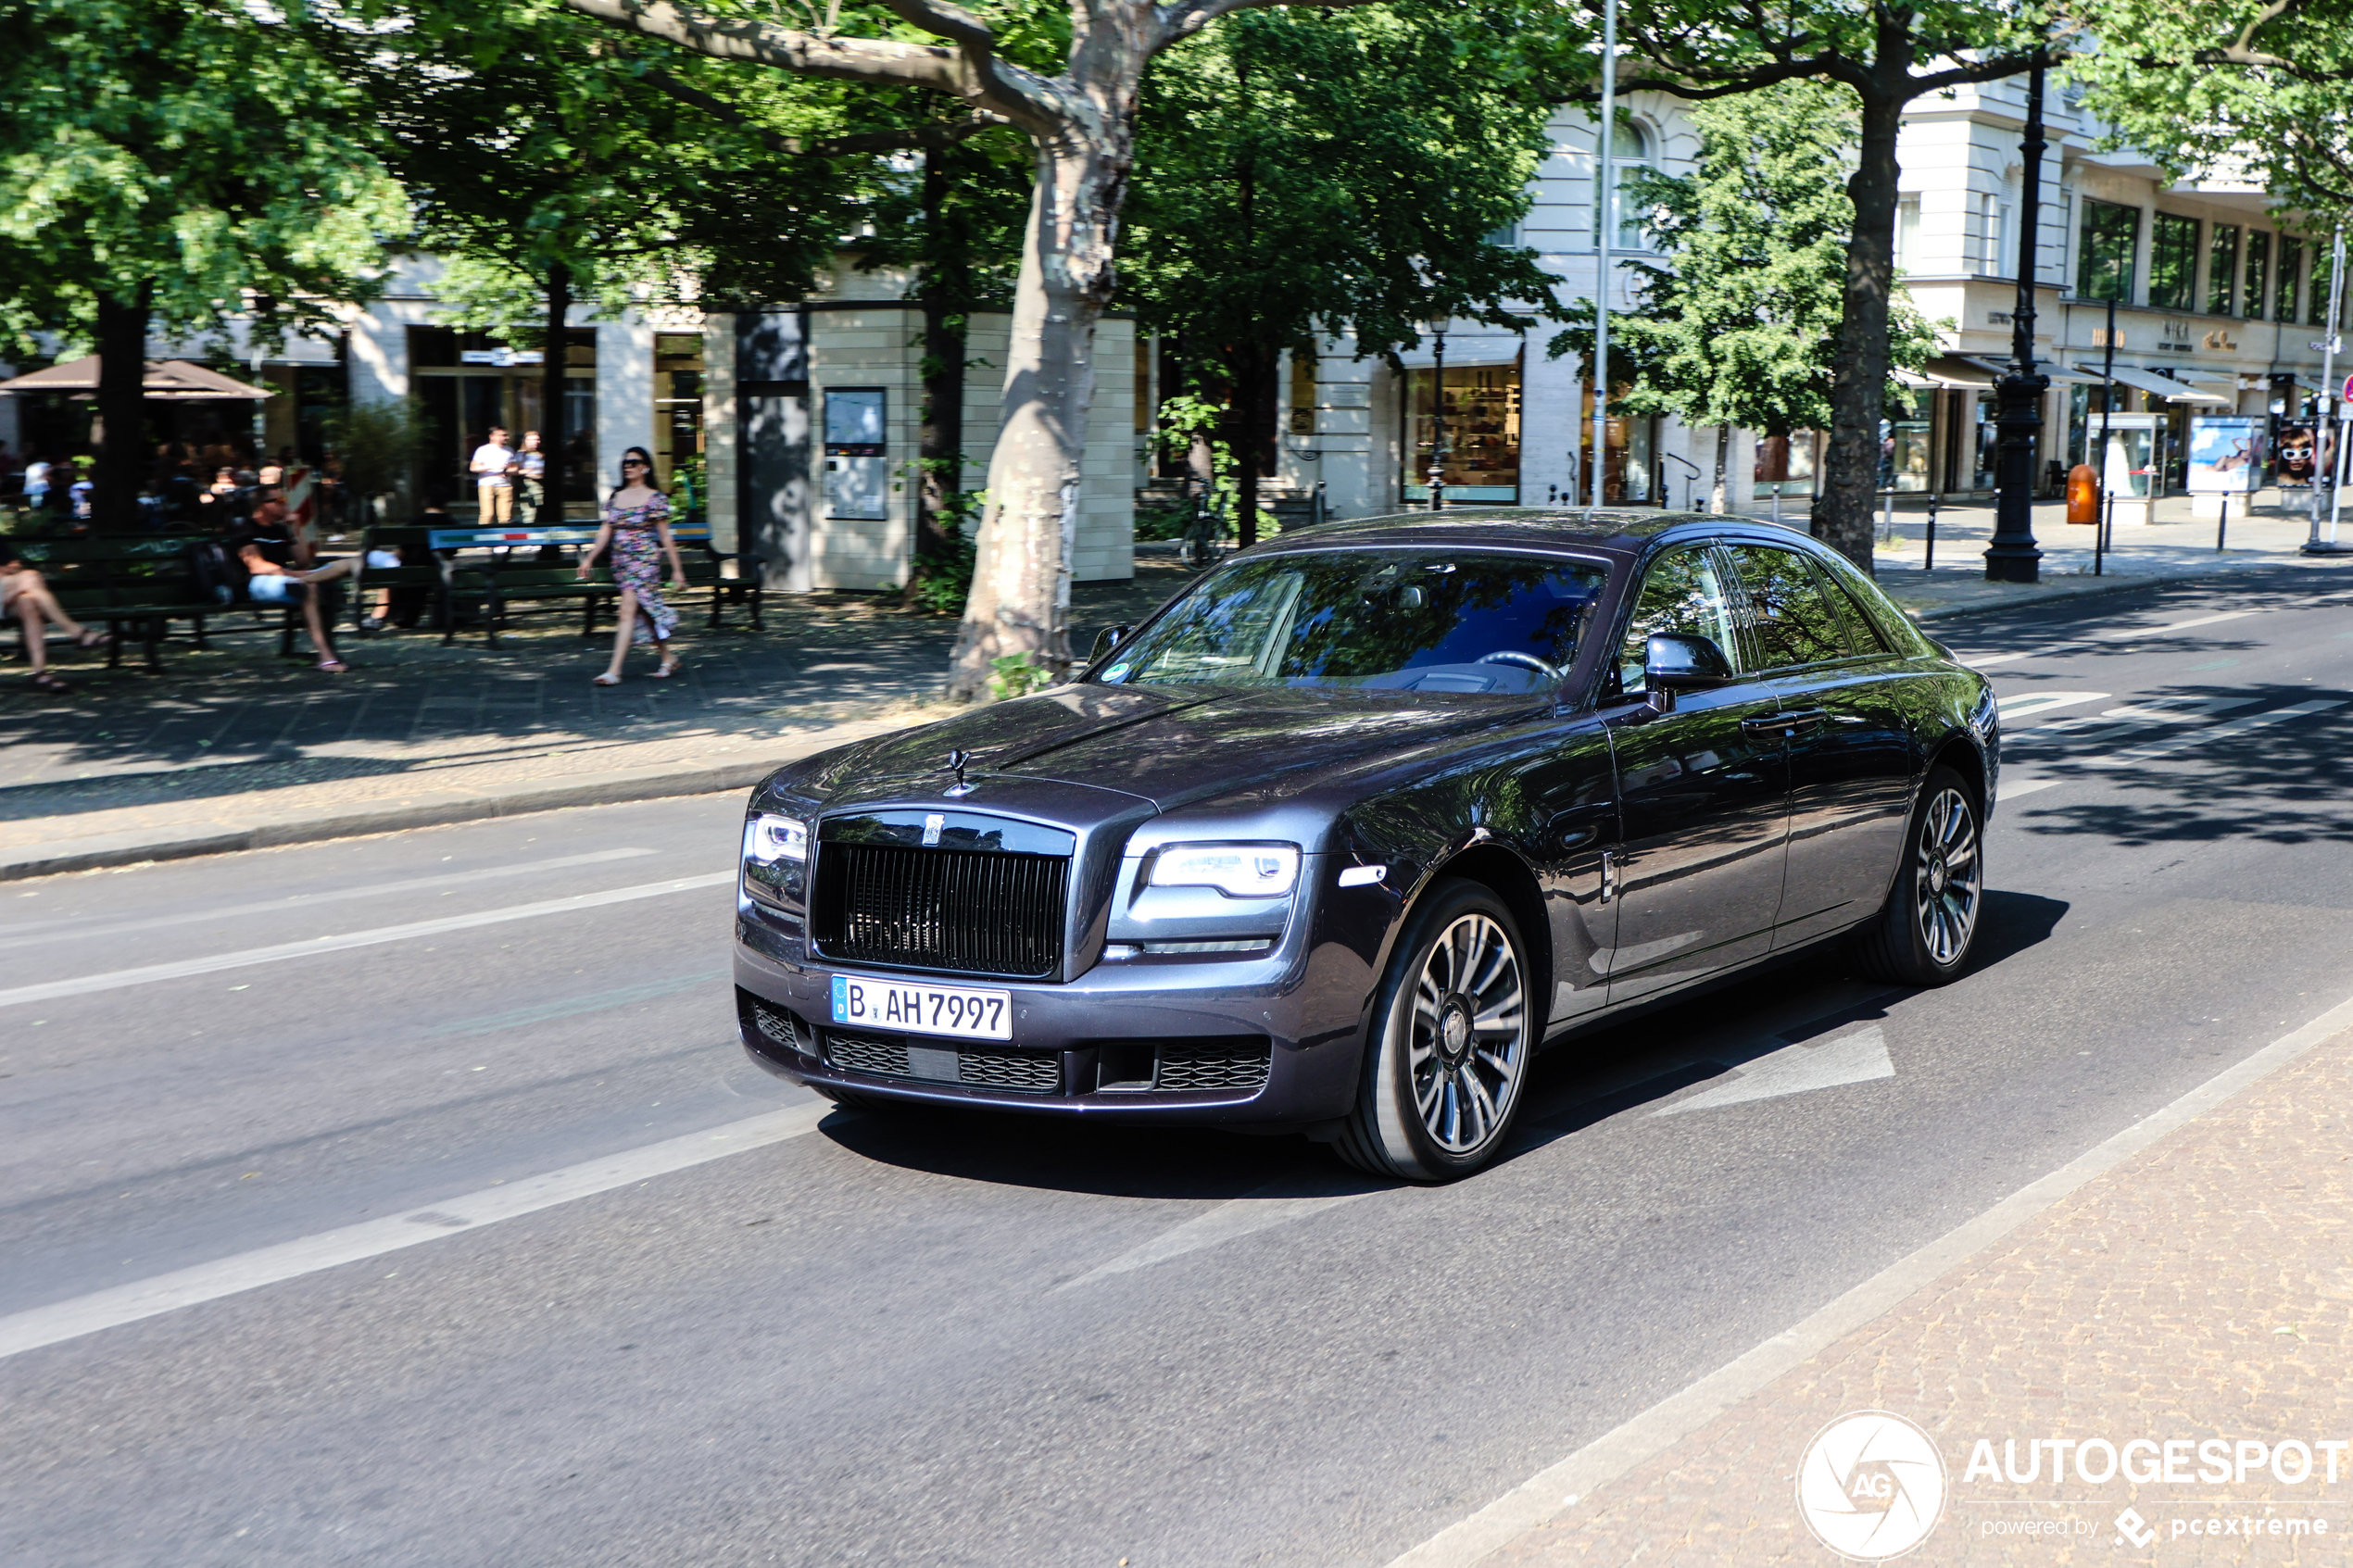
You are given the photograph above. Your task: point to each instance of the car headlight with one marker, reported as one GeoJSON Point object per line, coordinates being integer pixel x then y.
{"type": "Point", "coordinates": [1238, 871]}
{"type": "Point", "coordinates": [769, 838]}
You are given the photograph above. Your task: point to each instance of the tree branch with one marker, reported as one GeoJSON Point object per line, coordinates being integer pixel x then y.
{"type": "Point", "coordinates": [1182, 20]}
{"type": "Point", "coordinates": [965, 73]}
{"type": "Point", "coordinates": [944, 135]}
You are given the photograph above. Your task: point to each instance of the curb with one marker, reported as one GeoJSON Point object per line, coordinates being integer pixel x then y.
{"type": "Point", "coordinates": [589, 789]}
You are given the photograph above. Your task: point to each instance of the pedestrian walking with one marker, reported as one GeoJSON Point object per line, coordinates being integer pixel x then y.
{"type": "Point", "coordinates": [25, 594]}
{"type": "Point", "coordinates": [531, 476]}
{"type": "Point", "coordinates": [493, 466]}
{"type": "Point", "coordinates": [636, 530]}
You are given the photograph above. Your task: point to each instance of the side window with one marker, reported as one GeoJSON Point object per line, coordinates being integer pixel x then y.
{"type": "Point", "coordinates": [1892, 628]}
{"type": "Point", "coordinates": [1681, 592]}
{"type": "Point", "coordinates": [1791, 618]}
{"type": "Point", "coordinates": [1861, 637]}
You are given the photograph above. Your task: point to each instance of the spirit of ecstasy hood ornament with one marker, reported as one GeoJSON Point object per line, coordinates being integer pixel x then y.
{"type": "Point", "coordinates": [957, 762]}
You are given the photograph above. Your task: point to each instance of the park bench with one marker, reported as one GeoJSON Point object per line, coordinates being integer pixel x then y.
{"type": "Point", "coordinates": [541, 565]}
{"type": "Point", "coordinates": [136, 585]}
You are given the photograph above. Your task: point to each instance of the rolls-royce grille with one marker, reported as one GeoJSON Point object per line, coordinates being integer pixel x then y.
{"type": "Point", "coordinates": [968, 911]}
{"type": "Point", "coordinates": [1026, 1072]}
{"type": "Point", "coordinates": [1236, 1063]}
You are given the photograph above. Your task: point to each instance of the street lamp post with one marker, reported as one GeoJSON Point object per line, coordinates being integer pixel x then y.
{"type": "Point", "coordinates": [1605, 212]}
{"type": "Point", "coordinates": [2011, 555]}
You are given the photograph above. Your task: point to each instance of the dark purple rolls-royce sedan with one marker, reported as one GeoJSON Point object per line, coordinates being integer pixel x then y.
{"type": "Point", "coordinates": [1352, 827]}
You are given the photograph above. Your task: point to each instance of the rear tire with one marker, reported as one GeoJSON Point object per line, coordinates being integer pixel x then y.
{"type": "Point", "coordinates": [1453, 1035]}
{"type": "Point", "coordinates": [1928, 928]}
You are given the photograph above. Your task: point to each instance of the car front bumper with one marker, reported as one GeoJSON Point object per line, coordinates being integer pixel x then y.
{"type": "Point", "coordinates": [1299, 1007]}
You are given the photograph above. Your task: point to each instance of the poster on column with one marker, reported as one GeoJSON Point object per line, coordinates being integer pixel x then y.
{"type": "Point", "coordinates": [2226, 454]}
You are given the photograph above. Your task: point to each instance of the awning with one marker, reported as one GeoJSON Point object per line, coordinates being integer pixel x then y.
{"type": "Point", "coordinates": [2058, 375]}
{"type": "Point", "coordinates": [1950, 370]}
{"type": "Point", "coordinates": [2160, 386]}
{"type": "Point", "coordinates": [170, 380]}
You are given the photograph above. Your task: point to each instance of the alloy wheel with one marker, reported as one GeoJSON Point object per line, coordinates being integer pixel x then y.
{"type": "Point", "coordinates": [1469, 1039]}
{"type": "Point", "coordinates": [1945, 882]}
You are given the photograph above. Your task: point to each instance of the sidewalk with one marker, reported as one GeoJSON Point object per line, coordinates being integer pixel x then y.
{"type": "Point", "coordinates": [2197, 1289]}
{"type": "Point", "coordinates": [235, 749]}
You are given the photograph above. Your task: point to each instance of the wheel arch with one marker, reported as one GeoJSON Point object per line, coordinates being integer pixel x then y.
{"type": "Point", "coordinates": [1507, 876]}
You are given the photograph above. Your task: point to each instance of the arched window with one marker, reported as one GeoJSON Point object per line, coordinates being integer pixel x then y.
{"type": "Point", "coordinates": [1631, 151]}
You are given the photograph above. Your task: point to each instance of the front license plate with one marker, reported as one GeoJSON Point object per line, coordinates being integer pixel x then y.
{"type": "Point", "coordinates": [962, 1013]}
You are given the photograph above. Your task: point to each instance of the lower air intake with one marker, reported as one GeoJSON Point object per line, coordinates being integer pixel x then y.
{"type": "Point", "coordinates": [1237, 1061]}
{"type": "Point", "coordinates": [1026, 1072]}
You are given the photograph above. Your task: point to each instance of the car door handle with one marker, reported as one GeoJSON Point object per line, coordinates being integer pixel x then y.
{"type": "Point", "coordinates": [1786, 723]}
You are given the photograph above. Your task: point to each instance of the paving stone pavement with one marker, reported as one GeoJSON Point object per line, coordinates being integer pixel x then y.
{"type": "Point", "coordinates": [2201, 1289]}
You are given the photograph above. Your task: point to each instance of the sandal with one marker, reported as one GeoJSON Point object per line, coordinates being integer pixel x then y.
{"type": "Point", "coordinates": [334, 666]}
{"type": "Point", "coordinates": [44, 682]}
{"type": "Point", "coordinates": [93, 639]}
{"type": "Point", "coordinates": [664, 672]}
{"type": "Point", "coordinates": [606, 681]}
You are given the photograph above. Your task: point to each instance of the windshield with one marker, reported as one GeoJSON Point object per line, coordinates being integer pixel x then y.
{"type": "Point", "coordinates": [1403, 621]}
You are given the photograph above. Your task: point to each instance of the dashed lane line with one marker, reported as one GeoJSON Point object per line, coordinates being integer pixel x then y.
{"type": "Point", "coordinates": [372, 1238]}
{"type": "Point", "coordinates": [116, 979]}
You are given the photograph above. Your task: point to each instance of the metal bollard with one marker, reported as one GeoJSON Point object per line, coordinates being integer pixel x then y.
{"type": "Point", "coordinates": [1928, 561]}
{"type": "Point", "coordinates": [2222, 525]}
{"type": "Point", "coordinates": [2100, 536]}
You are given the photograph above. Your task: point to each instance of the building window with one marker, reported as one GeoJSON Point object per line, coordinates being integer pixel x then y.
{"type": "Point", "coordinates": [2291, 276]}
{"type": "Point", "coordinates": [2316, 306]}
{"type": "Point", "coordinates": [1631, 151]}
{"type": "Point", "coordinates": [2222, 267]}
{"type": "Point", "coordinates": [1482, 459]}
{"type": "Point", "coordinates": [2173, 262]}
{"type": "Point", "coordinates": [678, 440]}
{"type": "Point", "coordinates": [1907, 234]}
{"type": "Point", "coordinates": [2105, 267]}
{"type": "Point", "coordinates": [2258, 273]}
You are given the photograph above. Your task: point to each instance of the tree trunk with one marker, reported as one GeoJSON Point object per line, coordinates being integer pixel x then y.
{"type": "Point", "coordinates": [552, 443]}
{"type": "Point", "coordinates": [122, 378]}
{"type": "Point", "coordinates": [944, 291]}
{"type": "Point", "coordinates": [1019, 601]}
{"type": "Point", "coordinates": [1242, 424]}
{"type": "Point", "coordinates": [1850, 474]}
{"type": "Point", "coordinates": [1718, 497]}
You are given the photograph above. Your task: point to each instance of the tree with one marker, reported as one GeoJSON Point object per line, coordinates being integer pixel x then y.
{"type": "Point", "coordinates": [1080, 122]}
{"type": "Point", "coordinates": [2262, 89]}
{"type": "Point", "coordinates": [1887, 52]}
{"type": "Point", "coordinates": [1339, 173]}
{"type": "Point", "coordinates": [169, 164]}
{"type": "Point", "coordinates": [550, 163]}
{"type": "Point", "coordinates": [1738, 321]}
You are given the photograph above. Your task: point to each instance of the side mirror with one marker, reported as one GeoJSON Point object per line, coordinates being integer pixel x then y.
{"type": "Point", "coordinates": [1107, 639]}
{"type": "Point", "coordinates": [1677, 662]}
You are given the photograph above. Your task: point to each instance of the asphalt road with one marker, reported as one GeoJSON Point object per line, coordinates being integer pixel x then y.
{"type": "Point", "coordinates": [920, 1340]}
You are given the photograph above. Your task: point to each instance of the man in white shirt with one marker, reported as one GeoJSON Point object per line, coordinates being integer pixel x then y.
{"type": "Point", "coordinates": [492, 463]}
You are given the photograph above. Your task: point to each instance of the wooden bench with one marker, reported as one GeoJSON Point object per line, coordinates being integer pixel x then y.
{"type": "Point", "coordinates": [542, 565]}
{"type": "Point", "coordinates": [136, 585]}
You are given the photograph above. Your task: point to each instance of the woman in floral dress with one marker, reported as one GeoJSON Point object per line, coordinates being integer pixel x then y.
{"type": "Point", "coordinates": [636, 526]}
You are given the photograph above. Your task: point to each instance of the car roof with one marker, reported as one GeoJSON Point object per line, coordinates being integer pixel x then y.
{"type": "Point", "coordinates": [1614, 530]}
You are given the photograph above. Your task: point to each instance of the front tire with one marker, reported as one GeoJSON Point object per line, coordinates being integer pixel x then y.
{"type": "Point", "coordinates": [1453, 1035]}
{"type": "Point", "coordinates": [1928, 928]}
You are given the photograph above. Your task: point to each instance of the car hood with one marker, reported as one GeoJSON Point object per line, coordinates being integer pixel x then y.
{"type": "Point", "coordinates": [1173, 746]}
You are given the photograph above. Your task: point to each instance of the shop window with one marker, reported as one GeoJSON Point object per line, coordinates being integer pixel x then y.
{"type": "Point", "coordinates": [1784, 465]}
{"type": "Point", "coordinates": [2172, 262]}
{"type": "Point", "coordinates": [1481, 459]}
{"type": "Point", "coordinates": [2222, 267]}
{"type": "Point", "coordinates": [2104, 266]}
{"type": "Point", "coordinates": [1904, 445]}
{"type": "Point", "coordinates": [678, 420]}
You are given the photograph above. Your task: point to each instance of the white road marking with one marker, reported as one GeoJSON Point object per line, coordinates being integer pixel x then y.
{"type": "Point", "coordinates": [370, 1239]}
{"type": "Point", "coordinates": [1243, 1216]}
{"type": "Point", "coordinates": [1551, 1491]}
{"type": "Point", "coordinates": [2134, 755]}
{"type": "Point", "coordinates": [78, 926]}
{"type": "Point", "coordinates": [1857, 1058]}
{"type": "Point", "coordinates": [2108, 635]}
{"type": "Point", "coordinates": [116, 979]}
{"type": "Point", "coordinates": [2013, 789]}
{"type": "Point", "coordinates": [2029, 705]}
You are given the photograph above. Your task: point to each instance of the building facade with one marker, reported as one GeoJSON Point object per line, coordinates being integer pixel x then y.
{"type": "Point", "coordinates": [2217, 308]}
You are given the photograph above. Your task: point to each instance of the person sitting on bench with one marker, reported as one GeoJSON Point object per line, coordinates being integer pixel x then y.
{"type": "Point", "coordinates": [25, 594]}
